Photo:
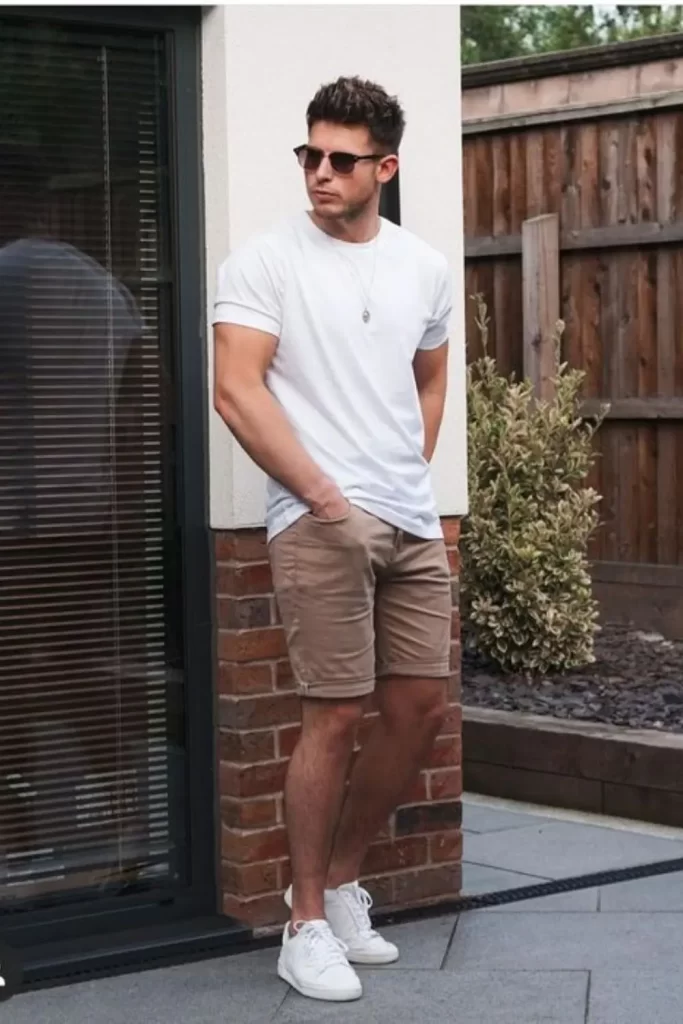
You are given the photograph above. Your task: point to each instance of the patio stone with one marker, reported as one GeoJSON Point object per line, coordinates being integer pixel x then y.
{"type": "Point", "coordinates": [636, 997]}
{"type": "Point", "coordinates": [567, 941]}
{"type": "Point", "coordinates": [565, 849]}
{"type": "Point", "coordinates": [198, 993]}
{"type": "Point", "coordinates": [486, 997]}
{"type": "Point", "coordinates": [661, 893]}
{"type": "Point", "coordinates": [422, 944]}
{"type": "Point", "coordinates": [482, 819]}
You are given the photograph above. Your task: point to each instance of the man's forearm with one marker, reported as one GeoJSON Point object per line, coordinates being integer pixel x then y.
{"type": "Point", "coordinates": [258, 422]}
{"type": "Point", "coordinates": [432, 404]}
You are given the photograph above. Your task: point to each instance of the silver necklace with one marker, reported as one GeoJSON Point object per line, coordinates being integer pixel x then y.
{"type": "Point", "coordinates": [365, 315]}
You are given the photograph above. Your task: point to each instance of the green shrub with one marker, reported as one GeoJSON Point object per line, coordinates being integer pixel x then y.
{"type": "Point", "coordinates": [527, 597]}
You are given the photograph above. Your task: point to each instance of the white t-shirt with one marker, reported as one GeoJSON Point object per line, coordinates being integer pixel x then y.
{"type": "Point", "coordinates": [346, 386]}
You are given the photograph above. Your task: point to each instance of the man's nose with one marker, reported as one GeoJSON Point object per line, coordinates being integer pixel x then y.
{"type": "Point", "coordinates": [324, 172]}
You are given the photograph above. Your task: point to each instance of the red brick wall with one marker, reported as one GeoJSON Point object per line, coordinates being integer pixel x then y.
{"type": "Point", "coordinates": [417, 857]}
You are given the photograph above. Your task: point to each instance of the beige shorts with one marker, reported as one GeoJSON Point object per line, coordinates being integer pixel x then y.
{"type": "Point", "coordinates": [361, 600]}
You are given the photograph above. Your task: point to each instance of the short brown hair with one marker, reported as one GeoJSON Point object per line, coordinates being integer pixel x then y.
{"type": "Point", "coordinates": [355, 102]}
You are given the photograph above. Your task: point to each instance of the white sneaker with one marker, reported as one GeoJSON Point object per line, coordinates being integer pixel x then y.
{"type": "Point", "coordinates": [348, 912]}
{"type": "Point", "coordinates": [313, 962]}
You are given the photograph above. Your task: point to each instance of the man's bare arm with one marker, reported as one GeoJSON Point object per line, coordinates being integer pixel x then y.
{"type": "Point", "coordinates": [430, 367]}
{"type": "Point", "coordinates": [241, 359]}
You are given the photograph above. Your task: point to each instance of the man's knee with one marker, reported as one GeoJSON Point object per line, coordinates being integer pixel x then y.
{"type": "Point", "coordinates": [335, 722]}
{"type": "Point", "coordinates": [414, 704]}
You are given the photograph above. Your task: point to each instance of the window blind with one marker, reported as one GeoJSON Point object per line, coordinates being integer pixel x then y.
{"type": "Point", "coordinates": [89, 651]}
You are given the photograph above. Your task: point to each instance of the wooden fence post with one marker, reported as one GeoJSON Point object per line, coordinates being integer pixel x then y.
{"type": "Point", "coordinates": [541, 300]}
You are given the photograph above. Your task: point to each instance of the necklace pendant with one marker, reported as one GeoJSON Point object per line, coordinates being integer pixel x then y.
{"type": "Point", "coordinates": [366, 316]}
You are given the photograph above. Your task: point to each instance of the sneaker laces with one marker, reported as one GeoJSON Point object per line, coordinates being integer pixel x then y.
{"type": "Point", "coordinates": [322, 946]}
{"type": "Point", "coordinates": [359, 903]}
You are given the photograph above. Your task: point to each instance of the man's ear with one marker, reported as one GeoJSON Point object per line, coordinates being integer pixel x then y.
{"type": "Point", "coordinates": [387, 169]}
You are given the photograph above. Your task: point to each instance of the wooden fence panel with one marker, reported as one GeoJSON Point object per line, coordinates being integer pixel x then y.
{"type": "Point", "coordinates": [541, 301]}
{"type": "Point", "coordinates": [616, 183]}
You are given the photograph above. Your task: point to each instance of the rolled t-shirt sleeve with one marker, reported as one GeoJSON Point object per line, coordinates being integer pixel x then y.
{"type": "Point", "coordinates": [249, 290]}
{"type": "Point", "coordinates": [436, 333]}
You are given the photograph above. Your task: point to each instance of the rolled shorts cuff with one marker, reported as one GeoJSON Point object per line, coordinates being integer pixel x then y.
{"type": "Point", "coordinates": [336, 690]}
{"type": "Point", "coordinates": [417, 670]}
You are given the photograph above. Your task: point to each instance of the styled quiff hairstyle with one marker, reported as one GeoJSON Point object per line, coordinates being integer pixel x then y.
{"type": "Point", "coordinates": [355, 102]}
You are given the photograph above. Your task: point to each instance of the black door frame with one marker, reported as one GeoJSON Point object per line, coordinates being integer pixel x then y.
{"type": "Point", "coordinates": [66, 922]}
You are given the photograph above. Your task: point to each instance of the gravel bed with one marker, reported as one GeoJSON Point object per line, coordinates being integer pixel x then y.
{"type": "Point", "coordinates": [636, 681]}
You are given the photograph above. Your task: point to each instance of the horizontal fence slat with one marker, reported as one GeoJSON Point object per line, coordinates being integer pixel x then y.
{"type": "Point", "coordinates": [617, 236]}
{"type": "Point", "coordinates": [635, 408]}
{"type": "Point", "coordinates": [567, 114]}
{"type": "Point", "coordinates": [638, 574]}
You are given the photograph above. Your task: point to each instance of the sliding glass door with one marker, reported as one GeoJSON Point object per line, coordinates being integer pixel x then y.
{"type": "Point", "coordinates": [95, 759]}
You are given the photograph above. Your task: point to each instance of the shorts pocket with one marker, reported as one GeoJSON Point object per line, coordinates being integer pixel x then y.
{"type": "Point", "coordinates": [329, 522]}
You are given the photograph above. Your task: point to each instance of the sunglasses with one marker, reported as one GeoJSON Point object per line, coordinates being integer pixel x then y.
{"type": "Point", "coordinates": [311, 158]}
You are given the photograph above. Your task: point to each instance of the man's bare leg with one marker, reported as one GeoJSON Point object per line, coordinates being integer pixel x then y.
{"type": "Point", "coordinates": [314, 792]}
{"type": "Point", "coordinates": [412, 712]}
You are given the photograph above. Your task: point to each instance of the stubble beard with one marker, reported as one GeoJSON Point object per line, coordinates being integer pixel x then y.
{"type": "Point", "coordinates": [350, 213]}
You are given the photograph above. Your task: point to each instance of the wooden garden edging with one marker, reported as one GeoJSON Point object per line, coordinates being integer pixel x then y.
{"type": "Point", "coordinates": [626, 773]}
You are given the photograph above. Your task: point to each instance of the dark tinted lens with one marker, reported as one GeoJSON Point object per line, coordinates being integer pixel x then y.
{"type": "Point", "coordinates": [342, 163]}
{"type": "Point", "coordinates": [310, 159]}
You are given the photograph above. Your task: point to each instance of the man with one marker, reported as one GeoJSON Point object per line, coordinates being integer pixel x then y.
{"type": "Point", "coordinates": [330, 370]}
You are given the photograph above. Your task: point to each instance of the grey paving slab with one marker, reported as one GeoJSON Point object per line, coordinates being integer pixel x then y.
{"type": "Point", "coordinates": [478, 998]}
{"type": "Point", "coordinates": [481, 819]}
{"type": "Point", "coordinates": [642, 997]}
{"type": "Point", "coordinates": [580, 941]}
{"type": "Point", "coordinates": [563, 849]}
{"type": "Point", "coordinates": [259, 960]}
{"type": "Point", "coordinates": [198, 993]}
{"type": "Point", "coordinates": [480, 878]}
{"type": "Point", "coordinates": [663, 893]}
{"type": "Point", "coordinates": [422, 944]}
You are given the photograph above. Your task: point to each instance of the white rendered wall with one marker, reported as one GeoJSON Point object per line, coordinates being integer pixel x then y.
{"type": "Point", "coordinates": [260, 66]}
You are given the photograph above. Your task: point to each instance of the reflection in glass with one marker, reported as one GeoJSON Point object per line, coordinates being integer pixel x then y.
{"type": "Point", "coordinates": [89, 642]}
